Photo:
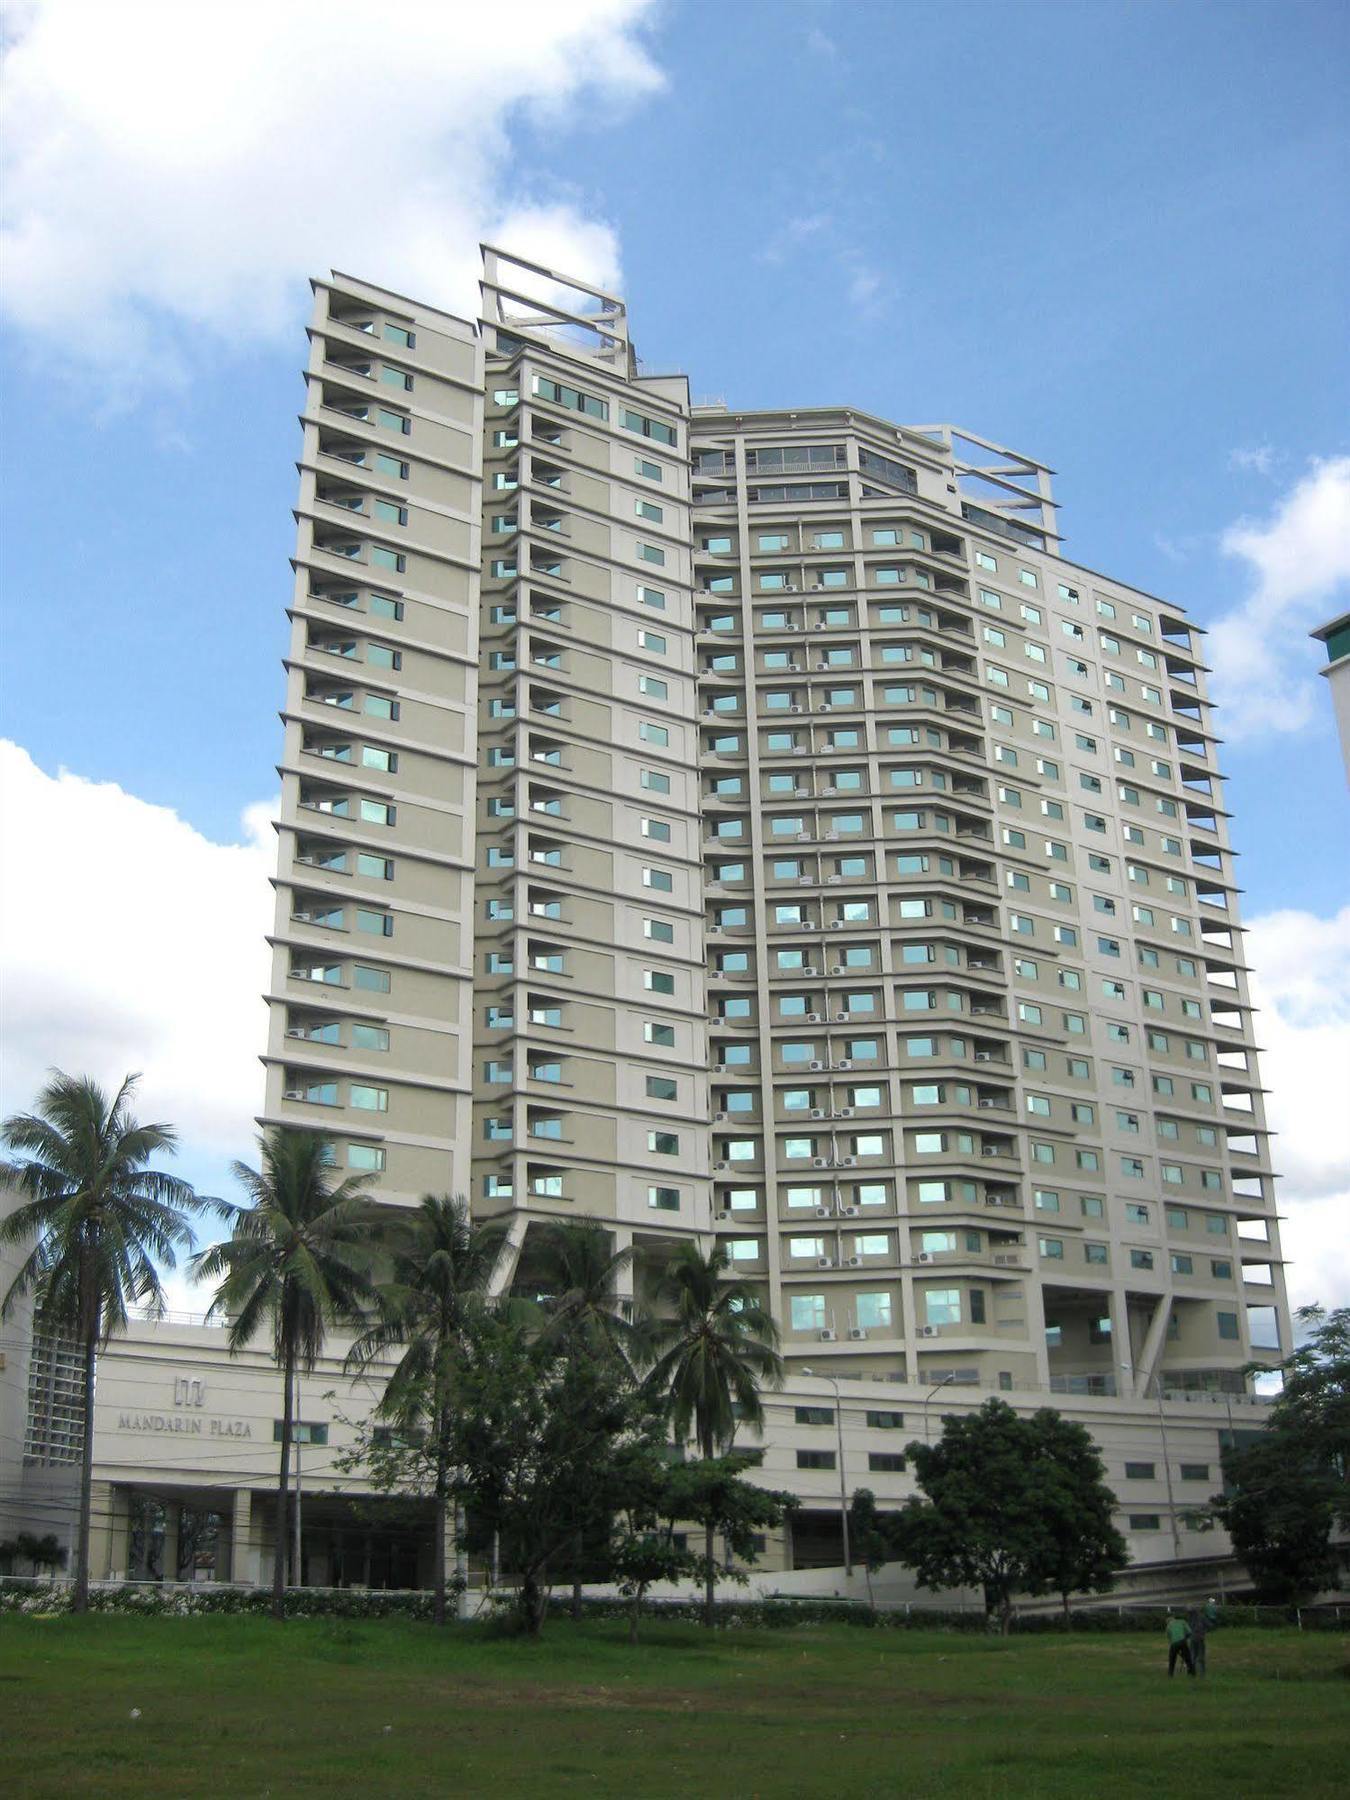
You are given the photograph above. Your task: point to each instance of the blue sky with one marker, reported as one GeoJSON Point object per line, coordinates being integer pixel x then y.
{"type": "Point", "coordinates": [1112, 235]}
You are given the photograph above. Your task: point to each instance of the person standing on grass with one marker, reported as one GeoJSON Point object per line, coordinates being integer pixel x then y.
{"type": "Point", "coordinates": [1199, 1625]}
{"type": "Point", "coordinates": [1178, 1644]}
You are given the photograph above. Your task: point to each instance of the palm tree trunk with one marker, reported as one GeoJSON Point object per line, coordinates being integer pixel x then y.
{"type": "Point", "coordinates": [283, 1484]}
{"type": "Point", "coordinates": [709, 1575]}
{"type": "Point", "coordinates": [80, 1603]}
{"type": "Point", "coordinates": [438, 1556]}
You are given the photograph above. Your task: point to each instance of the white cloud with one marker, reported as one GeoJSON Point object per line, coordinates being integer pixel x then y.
{"type": "Point", "coordinates": [1301, 987]}
{"type": "Point", "coordinates": [1299, 561]}
{"type": "Point", "coordinates": [820, 44]}
{"type": "Point", "coordinates": [1260, 460]}
{"type": "Point", "coordinates": [174, 170]}
{"type": "Point", "coordinates": [130, 942]}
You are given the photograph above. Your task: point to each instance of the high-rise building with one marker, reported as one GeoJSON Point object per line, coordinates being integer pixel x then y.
{"type": "Point", "coordinates": [752, 824]}
{"type": "Point", "coordinates": [1335, 635]}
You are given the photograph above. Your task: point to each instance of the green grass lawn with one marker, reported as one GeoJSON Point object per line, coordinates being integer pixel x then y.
{"type": "Point", "coordinates": [239, 1707]}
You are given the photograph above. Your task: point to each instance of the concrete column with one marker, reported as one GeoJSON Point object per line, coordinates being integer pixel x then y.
{"type": "Point", "coordinates": [172, 1522]}
{"type": "Point", "coordinates": [243, 1549]}
{"type": "Point", "coordinates": [623, 1283]}
{"type": "Point", "coordinates": [110, 1533]}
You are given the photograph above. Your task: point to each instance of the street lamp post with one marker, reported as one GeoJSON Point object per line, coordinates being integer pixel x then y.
{"type": "Point", "coordinates": [929, 1395]}
{"type": "Point", "coordinates": [843, 1484]}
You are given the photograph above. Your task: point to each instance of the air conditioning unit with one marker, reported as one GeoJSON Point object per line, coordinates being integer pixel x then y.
{"type": "Point", "coordinates": [794, 709]}
{"type": "Point", "coordinates": [924, 1256]}
{"type": "Point", "coordinates": [845, 1112]}
{"type": "Point", "coordinates": [721, 1165]}
{"type": "Point", "coordinates": [849, 1212]}
{"type": "Point", "coordinates": [724, 1215]}
{"type": "Point", "coordinates": [815, 1018]}
{"type": "Point", "coordinates": [808, 925]}
{"type": "Point", "coordinates": [713, 928]}
{"type": "Point", "coordinates": [854, 1262]}
{"type": "Point", "coordinates": [799, 749]}
{"type": "Point", "coordinates": [823, 1212]}
{"type": "Point", "coordinates": [803, 837]}
{"type": "Point", "coordinates": [719, 1068]}
{"type": "Point", "coordinates": [841, 1018]}
{"type": "Point", "coordinates": [820, 1162]}
{"type": "Point", "coordinates": [817, 1112]}
{"type": "Point", "coordinates": [817, 1065]}
{"type": "Point", "coordinates": [834, 880]}
{"type": "Point", "coordinates": [293, 1093]}
{"type": "Point", "coordinates": [820, 625]}
{"type": "Point", "coordinates": [844, 1063]}
{"type": "Point", "coordinates": [822, 665]}
{"type": "Point", "coordinates": [844, 1162]}
{"type": "Point", "coordinates": [299, 1031]}
{"type": "Point", "coordinates": [806, 881]}
{"type": "Point", "coordinates": [791, 627]}
{"type": "Point", "coordinates": [989, 1103]}
{"type": "Point", "coordinates": [789, 587]}
{"type": "Point", "coordinates": [984, 1056]}
{"type": "Point", "coordinates": [824, 1262]}
{"type": "Point", "coordinates": [824, 707]}
{"type": "Point", "coordinates": [827, 1334]}
{"type": "Point", "coordinates": [836, 924]}
{"type": "Point", "coordinates": [719, 1117]}
{"type": "Point", "coordinates": [1007, 1262]}
{"type": "Point", "coordinates": [928, 1331]}
{"type": "Point", "coordinates": [857, 1332]}
{"type": "Point", "coordinates": [838, 969]}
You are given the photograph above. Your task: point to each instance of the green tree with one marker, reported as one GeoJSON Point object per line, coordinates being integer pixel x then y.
{"type": "Point", "coordinates": [1286, 1490]}
{"type": "Point", "coordinates": [438, 1266]}
{"type": "Point", "coordinates": [539, 1437]}
{"type": "Point", "coordinates": [46, 1552]}
{"type": "Point", "coordinates": [1004, 1508]}
{"type": "Point", "coordinates": [1085, 1552]}
{"type": "Point", "coordinates": [715, 1345]}
{"type": "Point", "coordinates": [101, 1222]}
{"type": "Point", "coordinates": [577, 1271]}
{"type": "Point", "coordinates": [867, 1536]}
{"type": "Point", "coordinates": [297, 1263]}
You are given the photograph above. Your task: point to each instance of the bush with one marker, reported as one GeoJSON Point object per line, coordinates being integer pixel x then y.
{"type": "Point", "coordinates": [152, 1601]}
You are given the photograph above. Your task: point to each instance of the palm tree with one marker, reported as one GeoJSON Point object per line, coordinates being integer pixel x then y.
{"type": "Point", "coordinates": [714, 1351]}
{"type": "Point", "coordinates": [297, 1260]}
{"type": "Point", "coordinates": [102, 1220]}
{"type": "Point", "coordinates": [440, 1265]}
{"type": "Point", "coordinates": [579, 1272]}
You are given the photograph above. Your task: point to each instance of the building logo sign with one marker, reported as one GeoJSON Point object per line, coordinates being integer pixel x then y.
{"type": "Point", "coordinates": [186, 1419]}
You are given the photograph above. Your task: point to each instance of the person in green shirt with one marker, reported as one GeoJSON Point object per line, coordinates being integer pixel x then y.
{"type": "Point", "coordinates": [1178, 1644]}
